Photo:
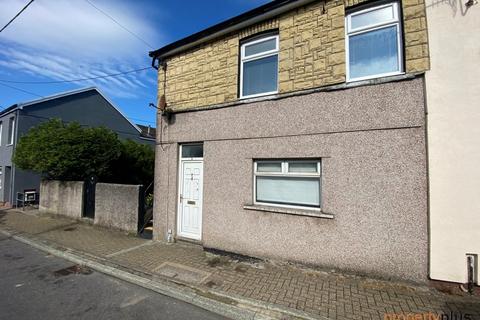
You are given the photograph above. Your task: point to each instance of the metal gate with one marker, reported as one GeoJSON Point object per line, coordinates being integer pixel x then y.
{"type": "Point", "coordinates": [89, 198]}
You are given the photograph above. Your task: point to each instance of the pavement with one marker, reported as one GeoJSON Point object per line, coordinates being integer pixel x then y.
{"type": "Point", "coordinates": [36, 285]}
{"type": "Point", "coordinates": [233, 287]}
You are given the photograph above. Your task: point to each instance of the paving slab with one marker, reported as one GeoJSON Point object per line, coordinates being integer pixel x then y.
{"type": "Point", "coordinates": [315, 292]}
{"type": "Point", "coordinates": [31, 222]}
{"type": "Point", "coordinates": [94, 240]}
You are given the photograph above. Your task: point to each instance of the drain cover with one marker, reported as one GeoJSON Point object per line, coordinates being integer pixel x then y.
{"type": "Point", "coordinates": [181, 272]}
{"type": "Point", "coordinates": [75, 269]}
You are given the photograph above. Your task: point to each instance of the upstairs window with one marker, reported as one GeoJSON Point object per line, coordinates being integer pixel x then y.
{"type": "Point", "coordinates": [287, 183]}
{"type": "Point", "coordinates": [374, 42]}
{"type": "Point", "coordinates": [11, 130]}
{"type": "Point", "coordinates": [1, 132]}
{"type": "Point", "coordinates": [259, 67]}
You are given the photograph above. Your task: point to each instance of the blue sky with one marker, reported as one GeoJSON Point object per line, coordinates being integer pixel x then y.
{"type": "Point", "coordinates": [62, 40]}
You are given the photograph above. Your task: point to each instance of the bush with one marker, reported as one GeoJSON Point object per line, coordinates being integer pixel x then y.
{"type": "Point", "coordinates": [71, 152]}
{"type": "Point", "coordinates": [135, 164]}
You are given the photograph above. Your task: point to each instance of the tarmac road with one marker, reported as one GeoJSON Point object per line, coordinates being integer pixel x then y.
{"type": "Point", "coordinates": [35, 285]}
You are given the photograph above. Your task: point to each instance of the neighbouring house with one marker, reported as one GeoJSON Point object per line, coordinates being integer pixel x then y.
{"type": "Point", "coordinates": [297, 131]}
{"type": "Point", "coordinates": [147, 131]}
{"type": "Point", "coordinates": [89, 107]}
{"type": "Point", "coordinates": [453, 103]}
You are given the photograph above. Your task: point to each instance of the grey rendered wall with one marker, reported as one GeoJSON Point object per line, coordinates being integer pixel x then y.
{"type": "Point", "coordinates": [62, 198]}
{"type": "Point", "coordinates": [117, 206]}
{"type": "Point", "coordinates": [6, 152]}
{"type": "Point", "coordinates": [372, 143]}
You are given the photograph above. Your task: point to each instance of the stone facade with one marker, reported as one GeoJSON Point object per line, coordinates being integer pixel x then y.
{"type": "Point", "coordinates": [312, 54]}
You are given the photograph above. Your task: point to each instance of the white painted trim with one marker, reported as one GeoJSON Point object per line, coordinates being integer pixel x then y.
{"type": "Point", "coordinates": [258, 56]}
{"type": "Point", "coordinates": [395, 18]}
{"type": "Point", "coordinates": [181, 162]}
{"type": "Point", "coordinates": [268, 204]}
{"type": "Point", "coordinates": [285, 173]}
{"type": "Point", "coordinates": [11, 137]}
{"type": "Point", "coordinates": [348, 32]}
{"type": "Point", "coordinates": [55, 96]}
{"type": "Point", "coordinates": [1, 132]}
{"type": "Point", "coordinates": [261, 54]}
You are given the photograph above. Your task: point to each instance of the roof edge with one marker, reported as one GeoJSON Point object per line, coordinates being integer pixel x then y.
{"type": "Point", "coordinates": [43, 99]}
{"type": "Point", "coordinates": [236, 23]}
{"type": "Point", "coordinates": [65, 94]}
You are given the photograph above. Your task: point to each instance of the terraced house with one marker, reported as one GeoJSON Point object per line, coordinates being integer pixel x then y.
{"type": "Point", "coordinates": [297, 132]}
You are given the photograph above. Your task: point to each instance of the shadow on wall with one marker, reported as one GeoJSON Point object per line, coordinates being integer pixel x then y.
{"type": "Point", "coordinates": [455, 5]}
{"type": "Point", "coordinates": [2, 217]}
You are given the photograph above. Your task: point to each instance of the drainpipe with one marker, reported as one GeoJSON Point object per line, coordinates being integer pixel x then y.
{"type": "Point", "coordinates": [471, 273]}
{"type": "Point", "coordinates": [161, 110]}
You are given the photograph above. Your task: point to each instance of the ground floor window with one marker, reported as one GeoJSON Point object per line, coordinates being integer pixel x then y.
{"type": "Point", "coordinates": [290, 183]}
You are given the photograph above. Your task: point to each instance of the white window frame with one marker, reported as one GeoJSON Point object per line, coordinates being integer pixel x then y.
{"type": "Point", "coordinates": [1, 132]}
{"type": "Point", "coordinates": [376, 26]}
{"type": "Point", "coordinates": [257, 56]}
{"type": "Point", "coordinates": [181, 157]}
{"type": "Point", "coordinates": [11, 137]}
{"type": "Point", "coordinates": [285, 173]}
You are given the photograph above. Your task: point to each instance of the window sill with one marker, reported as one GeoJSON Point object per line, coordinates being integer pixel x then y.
{"type": "Point", "coordinates": [258, 95]}
{"type": "Point", "coordinates": [291, 211]}
{"type": "Point", "coordinates": [330, 88]}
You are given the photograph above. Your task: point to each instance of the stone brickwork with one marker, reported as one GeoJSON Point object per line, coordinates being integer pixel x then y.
{"type": "Point", "coordinates": [312, 54]}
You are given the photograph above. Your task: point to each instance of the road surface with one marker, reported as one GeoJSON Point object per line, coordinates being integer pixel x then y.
{"type": "Point", "coordinates": [35, 285]}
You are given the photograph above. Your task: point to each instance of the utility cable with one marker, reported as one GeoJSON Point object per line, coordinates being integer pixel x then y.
{"type": "Point", "coordinates": [18, 89]}
{"type": "Point", "coordinates": [15, 17]}
{"type": "Point", "coordinates": [120, 25]}
{"type": "Point", "coordinates": [77, 80]}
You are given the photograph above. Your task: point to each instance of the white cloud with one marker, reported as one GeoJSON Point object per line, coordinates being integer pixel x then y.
{"type": "Point", "coordinates": [61, 40]}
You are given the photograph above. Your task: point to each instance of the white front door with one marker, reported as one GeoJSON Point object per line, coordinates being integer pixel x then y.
{"type": "Point", "coordinates": [191, 199]}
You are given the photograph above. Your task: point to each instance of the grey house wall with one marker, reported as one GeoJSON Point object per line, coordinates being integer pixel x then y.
{"type": "Point", "coordinates": [6, 151]}
{"type": "Point", "coordinates": [88, 108]}
{"type": "Point", "coordinates": [371, 140]}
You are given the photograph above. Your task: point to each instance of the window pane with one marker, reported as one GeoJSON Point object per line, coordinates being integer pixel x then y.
{"type": "Point", "coordinates": [374, 52]}
{"type": "Point", "coordinates": [260, 75]}
{"type": "Point", "coordinates": [289, 190]}
{"type": "Point", "coordinates": [259, 47]}
{"type": "Point", "coordinates": [192, 151]}
{"type": "Point", "coordinates": [269, 167]}
{"type": "Point", "coordinates": [372, 17]}
{"type": "Point", "coordinates": [303, 167]}
{"type": "Point", "coordinates": [11, 132]}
